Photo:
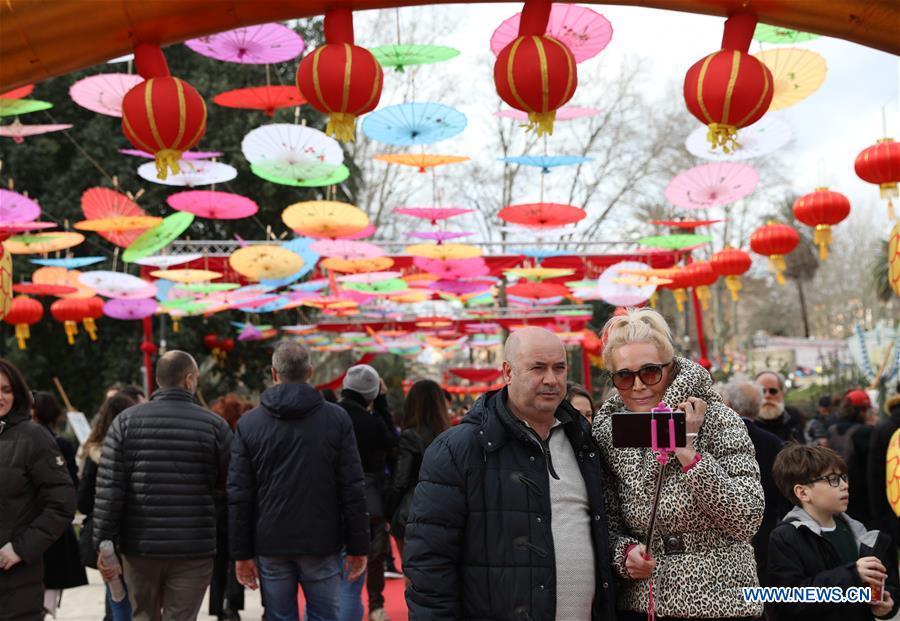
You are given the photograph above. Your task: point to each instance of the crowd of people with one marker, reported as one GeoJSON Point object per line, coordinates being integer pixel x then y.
{"type": "Point", "coordinates": [526, 508]}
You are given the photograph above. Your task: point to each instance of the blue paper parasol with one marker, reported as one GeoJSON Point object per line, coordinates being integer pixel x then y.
{"type": "Point", "coordinates": [411, 124]}
{"type": "Point", "coordinates": [546, 162]}
{"type": "Point", "coordinates": [299, 245]}
{"type": "Point", "coordinates": [70, 263]}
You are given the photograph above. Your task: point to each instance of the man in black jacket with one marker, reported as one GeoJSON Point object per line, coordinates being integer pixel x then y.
{"type": "Point", "coordinates": [296, 495]}
{"type": "Point", "coordinates": [775, 416]}
{"type": "Point", "coordinates": [162, 464]}
{"type": "Point", "coordinates": [508, 520]}
{"type": "Point", "coordinates": [364, 400]}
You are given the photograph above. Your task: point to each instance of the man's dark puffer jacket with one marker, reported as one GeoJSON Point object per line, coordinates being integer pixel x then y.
{"type": "Point", "coordinates": [478, 543]}
{"type": "Point", "coordinates": [161, 465]}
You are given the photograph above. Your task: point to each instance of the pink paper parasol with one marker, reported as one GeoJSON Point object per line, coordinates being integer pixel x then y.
{"type": "Point", "coordinates": [347, 250]}
{"type": "Point", "coordinates": [19, 132]}
{"type": "Point", "coordinates": [251, 45]}
{"type": "Point", "coordinates": [440, 236]}
{"type": "Point", "coordinates": [460, 287]}
{"type": "Point", "coordinates": [187, 155]}
{"type": "Point", "coordinates": [99, 203]}
{"type": "Point", "coordinates": [129, 309]}
{"type": "Point", "coordinates": [366, 232]}
{"type": "Point", "coordinates": [622, 294]}
{"type": "Point", "coordinates": [15, 207]}
{"type": "Point", "coordinates": [21, 227]}
{"type": "Point", "coordinates": [104, 93]}
{"type": "Point", "coordinates": [453, 268]}
{"type": "Point", "coordinates": [566, 113]}
{"type": "Point", "coordinates": [712, 185]}
{"type": "Point", "coordinates": [213, 205]}
{"type": "Point", "coordinates": [117, 284]}
{"type": "Point", "coordinates": [432, 213]}
{"type": "Point", "coordinates": [584, 31]}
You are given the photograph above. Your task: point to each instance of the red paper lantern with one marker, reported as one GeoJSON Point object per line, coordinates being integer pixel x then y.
{"type": "Point", "coordinates": [774, 241]}
{"type": "Point", "coordinates": [69, 312]}
{"type": "Point", "coordinates": [729, 89]}
{"type": "Point", "coordinates": [821, 210]}
{"type": "Point", "coordinates": [731, 263]}
{"type": "Point", "coordinates": [536, 73]}
{"type": "Point", "coordinates": [700, 276]}
{"type": "Point", "coordinates": [678, 286]}
{"type": "Point", "coordinates": [162, 115]}
{"type": "Point", "coordinates": [218, 346]}
{"type": "Point", "coordinates": [340, 79]}
{"type": "Point", "coordinates": [23, 312]}
{"type": "Point", "coordinates": [880, 164]}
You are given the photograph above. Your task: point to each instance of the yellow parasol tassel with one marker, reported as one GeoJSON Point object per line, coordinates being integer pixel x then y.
{"type": "Point", "coordinates": [822, 237]}
{"type": "Point", "coordinates": [167, 159]}
{"type": "Point", "coordinates": [341, 126]}
{"type": "Point", "coordinates": [776, 263]}
{"type": "Point", "coordinates": [653, 299]}
{"type": "Point", "coordinates": [734, 285]}
{"type": "Point", "coordinates": [703, 295]}
{"type": "Point", "coordinates": [680, 297]}
{"type": "Point", "coordinates": [71, 331]}
{"type": "Point", "coordinates": [722, 135]}
{"type": "Point", "coordinates": [90, 327]}
{"type": "Point", "coordinates": [541, 122]}
{"type": "Point", "coordinates": [23, 333]}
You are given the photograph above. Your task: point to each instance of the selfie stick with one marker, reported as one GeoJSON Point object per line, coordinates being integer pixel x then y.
{"type": "Point", "coordinates": [662, 456]}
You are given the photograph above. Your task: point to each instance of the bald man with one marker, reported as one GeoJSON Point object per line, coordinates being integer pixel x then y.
{"type": "Point", "coordinates": [508, 521]}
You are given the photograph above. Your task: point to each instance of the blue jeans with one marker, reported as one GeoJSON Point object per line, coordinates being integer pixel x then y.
{"type": "Point", "coordinates": [320, 577]}
{"type": "Point", "coordinates": [118, 611]}
{"type": "Point", "coordinates": [351, 596]}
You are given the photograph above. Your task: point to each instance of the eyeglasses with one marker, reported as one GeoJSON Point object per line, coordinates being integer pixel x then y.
{"type": "Point", "coordinates": [834, 480]}
{"type": "Point", "coordinates": [771, 391]}
{"type": "Point", "coordinates": [650, 374]}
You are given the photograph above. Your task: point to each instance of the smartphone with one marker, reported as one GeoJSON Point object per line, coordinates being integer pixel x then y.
{"type": "Point", "coordinates": [633, 429]}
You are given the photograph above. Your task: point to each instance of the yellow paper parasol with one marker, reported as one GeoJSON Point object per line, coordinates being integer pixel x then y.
{"type": "Point", "coordinates": [422, 161]}
{"type": "Point", "coordinates": [797, 74]}
{"type": "Point", "coordinates": [265, 262]}
{"type": "Point", "coordinates": [356, 266]}
{"type": "Point", "coordinates": [42, 243]}
{"type": "Point", "coordinates": [186, 275]}
{"type": "Point", "coordinates": [63, 277]}
{"type": "Point", "coordinates": [325, 219]}
{"type": "Point", "coordinates": [538, 273]}
{"type": "Point", "coordinates": [444, 252]}
{"type": "Point", "coordinates": [412, 297]}
{"type": "Point", "coordinates": [118, 224]}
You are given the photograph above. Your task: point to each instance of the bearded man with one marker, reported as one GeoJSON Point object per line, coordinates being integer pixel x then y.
{"type": "Point", "coordinates": [775, 417]}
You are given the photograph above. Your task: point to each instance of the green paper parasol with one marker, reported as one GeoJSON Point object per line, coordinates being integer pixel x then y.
{"type": "Point", "coordinates": [674, 242]}
{"type": "Point", "coordinates": [157, 238]}
{"type": "Point", "coordinates": [392, 285]}
{"type": "Point", "coordinates": [776, 34]}
{"type": "Point", "coordinates": [13, 107]}
{"type": "Point", "coordinates": [213, 287]}
{"type": "Point", "coordinates": [400, 56]}
{"type": "Point", "coordinates": [338, 176]}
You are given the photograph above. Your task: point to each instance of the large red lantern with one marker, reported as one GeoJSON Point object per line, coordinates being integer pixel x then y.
{"type": "Point", "coordinates": [23, 312]}
{"type": "Point", "coordinates": [775, 241]}
{"type": "Point", "coordinates": [729, 89]}
{"type": "Point", "coordinates": [162, 115]}
{"type": "Point", "coordinates": [880, 164]}
{"type": "Point", "coordinates": [536, 73]}
{"type": "Point", "coordinates": [69, 312]}
{"type": "Point", "coordinates": [678, 286]}
{"type": "Point", "coordinates": [821, 210]}
{"type": "Point", "coordinates": [701, 277]}
{"type": "Point", "coordinates": [340, 79]}
{"type": "Point", "coordinates": [731, 263]}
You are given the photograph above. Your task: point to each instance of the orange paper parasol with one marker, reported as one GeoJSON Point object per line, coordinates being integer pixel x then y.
{"type": "Point", "coordinates": [42, 243]}
{"type": "Point", "coordinates": [421, 161]}
{"type": "Point", "coordinates": [265, 262]}
{"type": "Point", "coordinates": [325, 219]}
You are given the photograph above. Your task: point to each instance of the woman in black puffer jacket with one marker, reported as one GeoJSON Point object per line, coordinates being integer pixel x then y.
{"type": "Point", "coordinates": [37, 499]}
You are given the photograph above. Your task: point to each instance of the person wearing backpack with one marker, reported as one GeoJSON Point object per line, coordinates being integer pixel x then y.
{"type": "Point", "coordinates": [850, 438]}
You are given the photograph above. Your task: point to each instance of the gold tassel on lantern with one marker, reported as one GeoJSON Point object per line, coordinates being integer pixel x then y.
{"type": "Point", "coordinates": [23, 333]}
{"type": "Point", "coordinates": [822, 237]}
{"type": "Point", "coordinates": [777, 265]}
{"type": "Point", "coordinates": [167, 159]}
{"type": "Point", "coordinates": [721, 135]}
{"type": "Point", "coordinates": [90, 326]}
{"type": "Point", "coordinates": [71, 330]}
{"type": "Point", "coordinates": [680, 297]}
{"type": "Point", "coordinates": [541, 123]}
{"type": "Point", "coordinates": [703, 295]}
{"type": "Point", "coordinates": [341, 126]}
{"type": "Point", "coordinates": [734, 286]}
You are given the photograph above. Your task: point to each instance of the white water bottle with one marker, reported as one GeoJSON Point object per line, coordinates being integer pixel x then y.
{"type": "Point", "coordinates": [111, 561]}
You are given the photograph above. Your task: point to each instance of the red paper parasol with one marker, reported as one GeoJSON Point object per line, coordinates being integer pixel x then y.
{"type": "Point", "coordinates": [685, 224]}
{"type": "Point", "coordinates": [18, 93]}
{"type": "Point", "coordinates": [542, 215]}
{"type": "Point", "coordinates": [537, 290]}
{"type": "Point", "coordinates": [213, 205]}
{"type": "Point", "coordinates": [30, 288]}
{"type": "Point", "coordinates": [102, 203]}
{"type": "Point", "coordinates": [477, 375]}
{"type": "Point", "coordinates": [266, 98]}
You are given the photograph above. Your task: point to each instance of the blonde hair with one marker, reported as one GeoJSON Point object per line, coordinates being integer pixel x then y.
{"type": "Point", "coordinates": [637, 325]}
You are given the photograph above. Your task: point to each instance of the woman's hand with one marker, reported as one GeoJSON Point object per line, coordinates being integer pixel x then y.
{"type": "Point", "coordinates": [695, 409]}
{"type": "Point", "coordinates": [8, 557]}
{"type": "Point", "coordinates": [638, 564]}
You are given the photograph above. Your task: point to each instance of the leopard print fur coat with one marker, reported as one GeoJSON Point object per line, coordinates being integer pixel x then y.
{"type": "Point", "coordinates": [716, 507]}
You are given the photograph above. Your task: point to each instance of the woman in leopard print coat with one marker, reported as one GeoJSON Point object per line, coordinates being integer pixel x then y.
{"type": "Point", "coordinates": [711, 503]}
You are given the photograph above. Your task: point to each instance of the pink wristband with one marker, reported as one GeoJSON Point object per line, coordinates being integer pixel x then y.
{"type": "Point", "coordinates": [692, 464]}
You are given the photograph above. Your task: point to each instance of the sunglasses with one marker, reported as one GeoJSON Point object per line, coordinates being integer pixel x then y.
{"type": "Point", "coordinates": [771, 391]}
{"type": "Point", "coordinates": [650, 374]}
{"type": "Point", "coordinates": [834, 480]}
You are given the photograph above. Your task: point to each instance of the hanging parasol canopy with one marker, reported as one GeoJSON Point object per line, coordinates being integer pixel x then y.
{"type": "Point", "coordinates": [357, 266]}
{"type": "Point", "coordinates": [191, 173]}
{"type": "Point", "coordinates": [155, 239]}
{"type": "Point", "coordinates": [538, 273]}
{"type": "Point", "coordinates": [103, 203]}
{"type": "Point", "coordinates": [15, 207]}
{"type": "Point", "coordinates": [262, 261]}
{"type": "Point", "coordinates": [129, 310]}
{"type": "Point", "coordinates": [712, 185]}
{"type": "Point", "coordinates": [421, 161]}
{"type": "Point", "coordinates": [42, 243]}
{"type": "Point", "coordinates": [796, 74]}
{"type": "Point", "coordinates": [409, 124]}
{"type": "Point", "coordinates": [336, 176]}
{"type": "Point", "coordinates": [266, 98]}
{"type": "Point", "coordinates": [213, 205]}
{"type": "Point", "coordinates": [685, 224]}
{"type": "Point", "coordinates": [63, 277]}
{"type": "Point", "coordinates": [19, 132]}
{"type": "Point", "coordinates": [18, 93]}
{"type": "Point", "coordinates": [461, 287]}
{"type": "Point", "coordinates": [346, 250]}
{"type": "Point", "coordinates": [566, 113]}
{"type": "Point", "coordinates": [324, 219]}
{"type": "Point", "coordinates": [675, 242]}
{"type": "Point", "coordinates": [379, 288]}
{"type": "Point", "coordinates": [283, 150]}
{"type": "Point", "coordinates": [186, 276]}
{"type": "Point", "coordinates": [12, 228]}
{"type": "Point", "coordinates": [70, 263]}
{"type": "Point", "coordinates": [166, 261]}
{"type": "Point", "coordinates": [453, 268]}
{"type": "Point", "coordinates": [251, 45]}
{"type": "Point", "coordinates": [546, 162]}
{"type": "Point", "coordinates": [763, 137]}
{"type": "Point", "coordinates": [542, 215]}
{"type": "Point", "coordinates": [776, 34]}
{"type": "Point", "coordinates": [401, 56]}
{"type": "Point", "coordinates": [103, 93]}
{"type": "Point", "coordinates": [118, 224]}
{"type": "Point", "coordinates": [38, 289]}
{"type": "Point", "coordinates": [439, 236]}
{"type": "Point", "coordinates": [116, 284]}
{"type": "Point", "coordinates": [443, 252]}
{"type": "Point", "coordinates": [207, 287]}
{"type": "Point", "coordinates": [584, 31]}
{"type": "Point", "coordinates": [614, 291]}
{"type": "Point", "coordinates": [369, 277]}
{"type": "Point", "coordinates": [300, 246]}
{"type": "Point", "coordinates": [432, 213]}
{"type": "Point", "coordinates": [537, 290]}
{"type": "Point", "coordinates": [185, 155]}
{"type": "Point", "coordinates": [15, 107]}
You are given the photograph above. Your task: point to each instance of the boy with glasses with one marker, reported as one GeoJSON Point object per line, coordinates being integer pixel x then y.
{"type": "Point", "coordinates": [819, 545]}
